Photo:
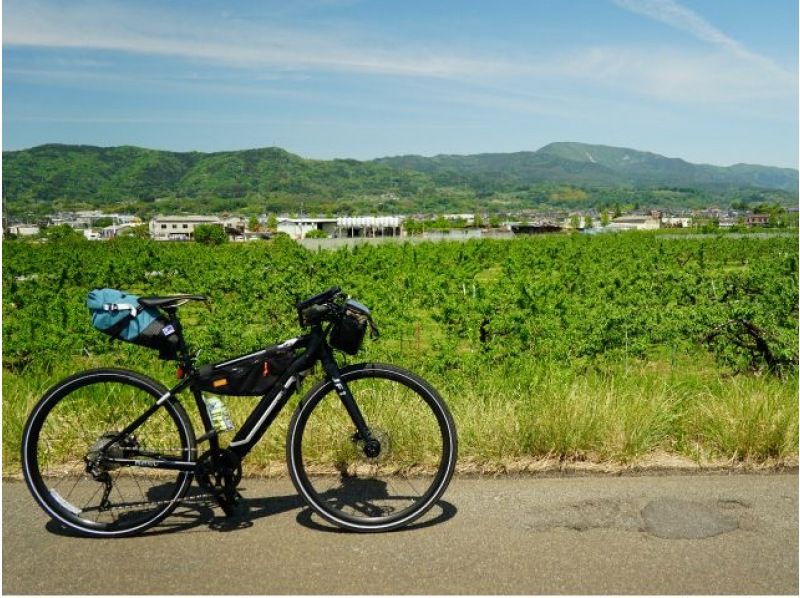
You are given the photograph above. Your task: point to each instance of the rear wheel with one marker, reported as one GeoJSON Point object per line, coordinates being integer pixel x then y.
{"type": "Point", "coordinates": [64, 451]}
{"type": "Point", "coordinates": [388, 481]}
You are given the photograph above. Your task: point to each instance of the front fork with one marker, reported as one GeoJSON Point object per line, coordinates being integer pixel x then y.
{"type": "Point", "coordinates": [332, 370]}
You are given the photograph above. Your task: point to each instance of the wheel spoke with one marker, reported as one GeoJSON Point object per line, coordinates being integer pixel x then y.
{"type": "Point", "coordinates": [71, 429]}
{"type": "Point", "coordinates": [411, 426]}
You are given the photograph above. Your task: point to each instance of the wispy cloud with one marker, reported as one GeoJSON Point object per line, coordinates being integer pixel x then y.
{"type": "Point", "coordinates": [142, 30]}
{"type": "Point", "coordinates": [671, 74]}
{"type": "Point", "coordinates": [684, 19]}
{"type": "Point", "coordinates": [279, 52]}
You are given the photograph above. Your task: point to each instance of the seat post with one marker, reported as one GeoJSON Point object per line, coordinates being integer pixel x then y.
{"type": "Point", "coordinates": [183, 349]}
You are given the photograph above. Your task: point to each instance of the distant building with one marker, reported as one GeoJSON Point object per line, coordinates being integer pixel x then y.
{"type": "Point", "coordinates": [109, 232]}
{"type": "Point", "coordinates": [86, 218]}
{"type": "Point", "coordinates": [23, 230]}
{"type": "Point", "coordinates": [345, 227]}
{"type": "Point", "coordinates": [634, 223]}
{"type": "Point", "coordinates": [710, 212]}
{"type": "Point", "coordinates": [234, 224]}
{"type": "Point", "coordinates": [178, 228]}
{"type": "Point", "coordinates": [369, 226]}
{"type": "Point", "coordinates": [583, 220]}
{"type": "Point", "coordinates": [468, 219]}
{"type": "Point", "coordinates": [676, 221]}
{"type": "Point", "coordinates": [757, 219]}
{"type": "Point", "coordinates": [298, 228]}
{"type": "Point", "coordinates": [535, 228]}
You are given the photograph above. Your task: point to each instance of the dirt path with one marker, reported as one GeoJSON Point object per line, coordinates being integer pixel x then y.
{"type": "Point", "coordinates": [599, 534]}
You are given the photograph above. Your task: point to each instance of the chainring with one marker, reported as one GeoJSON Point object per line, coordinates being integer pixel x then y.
{"type": "Point", "coordinates": [219, 470]}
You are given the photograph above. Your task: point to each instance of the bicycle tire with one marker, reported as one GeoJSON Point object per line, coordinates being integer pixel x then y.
{"type": "Point", "coordinates": [418, 449]}
{"type": "Point", "coordinates": [57, 440]}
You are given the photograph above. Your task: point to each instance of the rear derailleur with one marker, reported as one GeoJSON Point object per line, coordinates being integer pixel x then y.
{"type": "Point", "coordinates": [219, 472]}
{"type": "Point", "coordinates": [98, 467]}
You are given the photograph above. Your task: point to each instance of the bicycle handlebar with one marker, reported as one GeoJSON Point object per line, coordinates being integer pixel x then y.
{"type": "Point", "coordinates": [317, 308]}
{"type": "Point", "coordinates": [323, 297]}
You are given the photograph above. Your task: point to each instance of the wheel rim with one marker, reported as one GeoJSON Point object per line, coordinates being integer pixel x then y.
{"type": "Point", "coordinates": [107, 498]}
{"type": "Point", "coordinates": [334, 470]}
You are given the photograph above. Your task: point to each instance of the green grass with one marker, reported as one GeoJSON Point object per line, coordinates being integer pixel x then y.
{"type": "Point", "coordinates": [610, 414]}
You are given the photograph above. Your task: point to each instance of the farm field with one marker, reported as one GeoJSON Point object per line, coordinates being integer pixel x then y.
{"type": "Point", "coordinates": [614, 349]}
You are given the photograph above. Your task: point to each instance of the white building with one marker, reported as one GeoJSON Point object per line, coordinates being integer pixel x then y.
{"type": "Point", "coordinates": [634, 223]}
{"type": "Point", "coordinates": [298, 228]}
{"type": "Point", "coordinates": [86, 218]}
{"type": "Point", "coordinates": [234, 223]}
{"type": "Point", "coordinates": [676, 221]}
{"type": "Point", "coordinates": [369, 226]}
{"type": "Point", "coordinates": [24, 230]}
{"type": "Point", "coordinates": [178, 228]}
{"type": "Point", "coordinates": [114, 230]}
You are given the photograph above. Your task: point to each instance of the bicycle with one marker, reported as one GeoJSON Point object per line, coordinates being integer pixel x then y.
{"type": "Point", "coordinates": [112, 452]}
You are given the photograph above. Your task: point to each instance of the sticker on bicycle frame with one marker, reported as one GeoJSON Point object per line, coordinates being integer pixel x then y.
{"type": "Point", "coordinates": [220, 382]}
{"type": "Point", "coordinates": [71, 508]}
{"type": "Point", "coordinates": [168, 329]}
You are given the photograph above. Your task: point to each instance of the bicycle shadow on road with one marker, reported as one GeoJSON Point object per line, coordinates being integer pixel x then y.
{"type": "Point", "coordinates": [189, 515]}
{"type": "Point", "coordinates": [356, 498]}
{"type": "Point", "coordinates": [183, 518]}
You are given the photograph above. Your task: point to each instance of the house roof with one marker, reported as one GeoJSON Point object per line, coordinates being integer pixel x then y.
{"type": "Point", "coordinates": [633, 219]}
{"type": "Point", "coordinates": [187, 218]}
{"type": "Point", "coordinates": [307, 220]}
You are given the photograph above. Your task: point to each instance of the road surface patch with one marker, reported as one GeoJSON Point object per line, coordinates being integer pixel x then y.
{"type": "Point", "coordinates": [674, 519]}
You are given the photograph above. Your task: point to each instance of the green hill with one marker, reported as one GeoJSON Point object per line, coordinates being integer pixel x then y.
{"type": "Point", "coordinates": [646, 168]}
{"type": "Point", "coordinates": [585, 164]}
{"type": "Point", "coordinates": [43, 179]}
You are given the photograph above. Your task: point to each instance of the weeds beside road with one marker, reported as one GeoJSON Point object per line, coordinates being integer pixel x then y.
{"type": "Point", "coordinates": [626, 416]}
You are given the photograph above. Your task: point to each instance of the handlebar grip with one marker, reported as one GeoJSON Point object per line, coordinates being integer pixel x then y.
{"type": "Point", "coordinates": [322, 297]}
{"type": "Point", "coordinates": [313, 314]}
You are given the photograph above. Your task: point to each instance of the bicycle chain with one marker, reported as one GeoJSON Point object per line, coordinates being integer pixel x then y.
{"type": "Point", "coordinates": [152, 450]}
{"type": "Point", "coordinates": [156, 503]}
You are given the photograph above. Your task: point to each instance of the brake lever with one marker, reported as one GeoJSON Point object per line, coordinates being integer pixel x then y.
{"type": "Point", "coordinates": [373, 329]}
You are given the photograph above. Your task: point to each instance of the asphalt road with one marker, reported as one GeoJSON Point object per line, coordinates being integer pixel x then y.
{"type": "Point", "coordinates": [664, 534]}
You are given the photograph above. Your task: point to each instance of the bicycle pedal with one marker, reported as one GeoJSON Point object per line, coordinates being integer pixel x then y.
{"type": "Point", "coordinates": [233, 508]}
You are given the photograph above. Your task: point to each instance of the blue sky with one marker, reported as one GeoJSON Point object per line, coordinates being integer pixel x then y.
{"type": "Point", "coordinates": [711, 81]}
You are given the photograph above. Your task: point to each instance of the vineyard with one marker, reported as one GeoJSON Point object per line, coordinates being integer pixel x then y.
{"type": "Point", "coordinates": [612, 347]}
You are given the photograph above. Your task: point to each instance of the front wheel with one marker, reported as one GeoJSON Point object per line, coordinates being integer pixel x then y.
{"type": "Point", "coordinates": [383, 483]}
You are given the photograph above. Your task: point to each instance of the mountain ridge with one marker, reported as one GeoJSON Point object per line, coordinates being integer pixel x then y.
{"type": "Point", "coordinates": [52, 176]}
{"type": "Point", "coordinates": [631, 166]}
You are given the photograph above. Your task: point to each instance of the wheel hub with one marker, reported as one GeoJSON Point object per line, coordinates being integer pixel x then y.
{"type": "Point", "coordinates": [372, 448]}
{"type": "Point", "coordinates": [377, 446]}
{"type": "Point", "coordinates": [95, 458]}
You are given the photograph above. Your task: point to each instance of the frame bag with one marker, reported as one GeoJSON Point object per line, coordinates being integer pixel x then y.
{"type": "Point", "coordinates": [119, 315]}
{"type": "Point", "coordinates": [250, 375]}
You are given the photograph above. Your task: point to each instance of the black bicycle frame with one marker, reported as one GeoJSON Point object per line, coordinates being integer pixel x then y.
{"type": "Point", "coordinates": [265, 412]}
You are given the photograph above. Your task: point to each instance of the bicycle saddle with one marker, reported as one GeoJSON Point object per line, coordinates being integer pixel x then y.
{"type": "Point", "coordinates": [170, 301]}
